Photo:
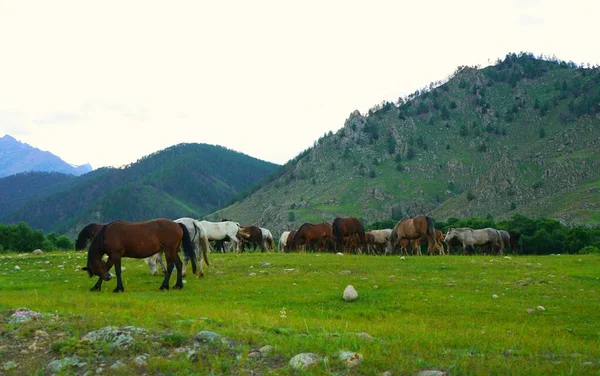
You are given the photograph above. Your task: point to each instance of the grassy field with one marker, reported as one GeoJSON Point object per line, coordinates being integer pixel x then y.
{"type": "Point", "coordinates": [423, 312]}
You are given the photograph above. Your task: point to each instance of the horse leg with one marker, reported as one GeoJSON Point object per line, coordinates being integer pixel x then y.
{"type": "Point", "coordinates": [179, 282]}
{"type": "Point", "coordinates": [170, 266]}
{"type": "Point", "coordinates": [118, 272]}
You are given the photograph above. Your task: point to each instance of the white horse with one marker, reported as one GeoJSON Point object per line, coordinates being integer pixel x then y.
{"type": "Point", "coordinates": [221, 230]}
{"type": "Point", "coordinates": [267, 238]}
{"type": "Point", "coordinates": [201, 248]}
{"type": "Point", "coordinates": [283, 241]}
{"type": "Point", "coordinates": [469, 238]}
{"type": "Point", "coordinates": [381, 239]}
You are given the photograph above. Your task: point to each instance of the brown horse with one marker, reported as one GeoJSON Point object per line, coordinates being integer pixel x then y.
{"type": "Point", "coordinates": [139, 240]}
{"type": "Point", "coordinates": [252, 235]}
{"type": "Point", "coordinates": [348, 226]}
{"type": "Point", "coordinates": [415, 246]}
{"type": "Point", "coordinates": [314, 235]}
{"type": "Point", "coordinates": [414, 228]}
{"type": "Point", "coordinates": [290, 245]}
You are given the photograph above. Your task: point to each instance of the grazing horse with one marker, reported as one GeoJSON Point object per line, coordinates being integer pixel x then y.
{"type": "Point", "coordinates": [370, 242]}
{"type": "Point", "coordinates": [348, 226]}
{"type": "Point", "coordinates": [254, 237]}
{"type": "Point", "coordinates": [289, 244]}
{"type": "Point", "coordinates": [414, 228]}
{"type": "Point", "coordinates": [283, 241]}
{"type": "Point", "coordinates": [314, 235]}
{"type": "Point", "coordinates": [380, 239]}
{"type": "Point", "coordinates": [514, 241]}
{"type": "Point", "coordinates": [439, 238]}
{"type": "Point", "coordinates": [469, 238]}
{"type": "Point", "coordinates": [220, 230]}
{"type": "Point", "coordinates": [267, 238]}
{"type": "Point", "coordinates": [505, 237]}
{"type": "Point", "coordinates": [415, 246]}
{"type": "Point", "coordinates": [138, 240]}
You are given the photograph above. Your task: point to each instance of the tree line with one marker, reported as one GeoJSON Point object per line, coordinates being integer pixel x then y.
{"type": "Point", "coordinates": [22, 238]}
{"type": "Point", "coordinates": [541, 236]}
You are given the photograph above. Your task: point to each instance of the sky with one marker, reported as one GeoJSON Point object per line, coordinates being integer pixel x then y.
{"type": "Point", "coordinates": [107, 82]}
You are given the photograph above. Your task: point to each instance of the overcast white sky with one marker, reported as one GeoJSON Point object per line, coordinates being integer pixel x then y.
{"type": "Point", "coordinates": [107, 82]}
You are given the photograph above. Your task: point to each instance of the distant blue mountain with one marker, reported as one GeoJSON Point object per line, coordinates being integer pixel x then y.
{"type": "Point", "coordinates": [17, 157]}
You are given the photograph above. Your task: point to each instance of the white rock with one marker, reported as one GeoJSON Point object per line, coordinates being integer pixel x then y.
{"type": "Point", "coordinates": [530, 311]}
{"type": "Point", "coordinates": [540, 308]}
{"type": "Point", "coordinates": [495, 296]}
{"type": "Point", "coordinates": [431, 372]}
{"type": "Point", "coordinates": [350, 293]}
{"type": "Point", "coordinates": [402, 258]}
{"type": "Point", "coordinates": [304, 361]}
{"type": "Point", "coordinates": [17, 267]}
{"type": "Point", "coordinates": [37, 252]}
{"type": "Point", "coordinates": [350, 358]}
{"type": "Point", "coordinates": [339, 254]}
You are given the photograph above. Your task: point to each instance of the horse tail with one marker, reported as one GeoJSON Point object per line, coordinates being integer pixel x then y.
{"type": "Point", "coordinates": [337, 234]}
{"type": "Point", "coordinates": [188, 247]}
{"type": "Point", "coordinates": [431, 234]}
{"type": "Point", "coordinates": [204, 244]}
{"type": "Point", "coordinates": [392, 239]}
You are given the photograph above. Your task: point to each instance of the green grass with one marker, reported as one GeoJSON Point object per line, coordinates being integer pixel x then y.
{"type": "Point", "coordinates": [424, 312]}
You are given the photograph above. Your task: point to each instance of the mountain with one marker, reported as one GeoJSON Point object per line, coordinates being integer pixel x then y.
{"type": "Point", "coordinates": [16, 157]}
{"type": "Point", "coordinates": [521, 136]}
{"type": "Point", "coordinates": [182, 180]}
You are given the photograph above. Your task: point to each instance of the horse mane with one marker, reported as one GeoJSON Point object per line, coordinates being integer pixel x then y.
{"type": "Point", "coordinates": [95, 249]}
{"type": "Point", "coordinates": [84, 235]}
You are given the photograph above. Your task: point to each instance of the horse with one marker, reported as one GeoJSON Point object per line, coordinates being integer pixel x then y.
{"type": "Point", "coordinates": [138, 240]}
{"type": "Point", "coordinates": [289, 244]}
{"type": "Point", "coordinates": [415, 246]}
{"type": "Point", "coordinates": [314, 235]}
{"type": "Point", "coordinates": [414, 228]}
{"type": "Point", "coordinates": [283, 241]}
{"type": "Point", "coordinates": [254, 237]}
{"type": "Point", "coordinates": [505, 237]}
{"type": "Point", "coordinates": [370, 242]}
{"type": "Point", "coordinates": [220, 230]}
{"type": "Point", "coordinates": [469, 238]}
{"type": "Point", "coordinates": [267, 238]}
{"type": "Point", "coordinates": [380, 239]}
{"type": "Point", "coordinates": [439, 238]}
{"type": "Point", "coordinates": [514, 241]}
{"type": "Point", "coordinates": [347, 226]}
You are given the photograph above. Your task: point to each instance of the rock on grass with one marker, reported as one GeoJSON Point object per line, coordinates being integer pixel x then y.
{"type": "Point", "coordinates": [304, 361]}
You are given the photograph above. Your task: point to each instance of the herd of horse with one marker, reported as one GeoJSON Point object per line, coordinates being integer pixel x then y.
{"type": "Point", "coordinates": [151, 239]}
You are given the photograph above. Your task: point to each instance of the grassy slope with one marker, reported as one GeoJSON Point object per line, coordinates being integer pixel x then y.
{"type": "Point", "coordinates": [425, 312]}
{"type": "Point", "coordinates": [515, 161]}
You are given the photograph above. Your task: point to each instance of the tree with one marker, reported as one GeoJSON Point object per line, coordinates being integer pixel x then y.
{"type": "Point", "coordinates": [291, 216]}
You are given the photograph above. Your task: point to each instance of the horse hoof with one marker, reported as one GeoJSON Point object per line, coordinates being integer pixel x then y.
{"type": "Point", "coordinates": [179, 287]}
{"type": "Point", "coordinates": [164, 287]}
{"type": "Point", "coordinates": [95, 288]}
{"type": "Point", "coordinates": [118, 290]}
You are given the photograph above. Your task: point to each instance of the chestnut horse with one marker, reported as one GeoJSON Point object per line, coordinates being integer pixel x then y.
{"type": "Point", "coordinates": [348, 226]}
{"type": "Point", "coordinates": [414, 228]}
{"type": "Point", "coordinates": [314, 235]}
{"type": "Point", "coordinates": [289, 244]}
{"type": "Point", "coordinates": [252, 235]}
{"type": "Point", "coordinates": [139, 240]}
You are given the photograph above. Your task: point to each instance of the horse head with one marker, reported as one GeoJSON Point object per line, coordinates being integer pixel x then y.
{"type": "Point", "coordinates": [98, 267]}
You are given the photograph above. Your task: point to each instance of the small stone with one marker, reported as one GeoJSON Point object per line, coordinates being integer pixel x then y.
{"type": "Point", "coordinates": [252, 274]}
{"type": "Point", "coordinates": [9, 365]}
{"type": "Point", "coordinates": [37, 252]}
{"type": "Point", "coordinates": [350, 293]}
{"type": "Point", "coordinates": [254, 355]}
{"type": "Point", "coordinates": [265, 264]}
{"type": "Point", "coordinates": [431, 372]}
{"type": "Point", "coordinates": [339, 254]}
{"type": "Point", "coordinates": [530, 311]}
{"type": "Point", "coordinates": [141, 360]}
{"type": "Point", "coordinates": [350, 358]}
{"type": "Point", "coordinates": [387, 373]}
{"type": "Point", "coordinates": [117, 365]}
{"type": "Point", "coordinates": [206, 336]}
{"type": "Point", "coordinates": [402, 258]}
{"type": "Point", "coordinates": [364, 335]}
{"type": "Point", "coordinates": [304, 361]}
{"type": "Point", "coordinates": [193, 356]}
{"type": "Point", "coordinates": [494, 296]}
{"type": "Point", "coordinates": [266, 350]}
{"type": "Point", "coordinates": [345, 272]}
{"type": "Point", "coordinates": [17, 267]}
{"type": "Point", "coordinates": [540, 308]}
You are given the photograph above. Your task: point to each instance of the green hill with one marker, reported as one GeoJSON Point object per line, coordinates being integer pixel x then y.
{"type": "Point", "coordinates": [517, 137]}
{"type": "Point", "coordinates": [183, 180]}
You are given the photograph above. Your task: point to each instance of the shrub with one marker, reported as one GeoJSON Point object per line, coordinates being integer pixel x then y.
{"type": "Point", "coordinates": [470, 196]}
{"type": "Point", "coordinates": [589, 249]}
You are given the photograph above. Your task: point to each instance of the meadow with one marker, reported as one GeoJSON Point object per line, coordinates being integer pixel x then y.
{"type": "Point", "coordinates": [464, 315]}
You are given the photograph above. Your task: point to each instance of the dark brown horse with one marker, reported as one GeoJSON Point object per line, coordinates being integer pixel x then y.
{"type": "Point", "coordinates": [139, 240]}
{"type": "Point", "coordinates": [414, 228]}
{"type": "Point", "coordinates": [348, 226]}
{"type": "Point", "coordinates": [514, 241]}
{"type": "Point", "coordinates": [314, 235]}
{"type": "Point", "coordinates": [252, 235]}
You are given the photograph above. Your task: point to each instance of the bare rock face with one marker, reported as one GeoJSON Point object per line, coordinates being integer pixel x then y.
{"type": "Point", "coordinates": [350, 293]}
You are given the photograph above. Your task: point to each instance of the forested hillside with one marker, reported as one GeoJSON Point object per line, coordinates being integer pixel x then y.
{"type": "Point", "coordinates": [522, 136]}
{"type": "Point", "coordinates": [183, 180]}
